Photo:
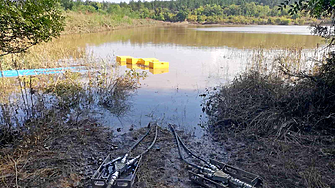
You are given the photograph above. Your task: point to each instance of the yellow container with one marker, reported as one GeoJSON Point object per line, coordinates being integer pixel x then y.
{"type": "Point", "coordinates": [159, 71]}
{"type": "Point", "coordinates": [132, 66]}
{"type": "Point", "coordinates": [122, 58]}
{"type": "Point", "coordinates": [121, 63]}
{"type": "Point", "coordinates": [158, 65]}
{"type": "Point", "coordinates": [146, 61]}
{"type": "Point", "coordinates": [132, 60]}
{"type": "Point", "coordinates": [144, 67]}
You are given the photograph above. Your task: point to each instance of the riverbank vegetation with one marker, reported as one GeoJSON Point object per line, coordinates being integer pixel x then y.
{"type": "Point", "coordinates": [283, 118]}
{"type": "Point", "coordinates": [286, 125]}
{"type": "Point", "coordinates": [195, 11]}
{"type": "Point", "coordinates": [47, 130]}
{"type": "Point", "coordinates": [48, 135]}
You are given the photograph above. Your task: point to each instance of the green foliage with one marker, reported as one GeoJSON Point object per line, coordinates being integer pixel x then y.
{"type": "Point", "coordinates": [316, 9]}
{"type": "Point", "coordinates": [182, 15]}
{"type": "Point", "coordinates": [203, 10]}
{"type": "Point", "coordinates": [26, 23]}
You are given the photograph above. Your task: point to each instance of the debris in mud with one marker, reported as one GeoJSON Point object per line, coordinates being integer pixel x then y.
{"type": "Point", "coordinates": [67, 154]}
{"type": "Point", "coordinates": [212, 173]}
{"type": "Point", "coordinates": [121, 171]}
{"type": "Point", "coordinates": [162, 167]}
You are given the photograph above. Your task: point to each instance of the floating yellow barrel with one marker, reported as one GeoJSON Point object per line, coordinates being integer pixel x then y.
{"type": "Point", "coordinates": [144, 67]}
{"type": "Point", "coordinates": [133, 66]}
{"type": "Point", "coordinates": [159, 71]}
{"type": "Point", "coordinates": [159, 65]}
{"type": "Point", "coordinates": [132, 60]}
{"type": "Point", "coordinates": [122, 58]}
{"type": "Point", "coordinates": [121, 63]}
{"type": "Point", "coordinates": [146, 61]}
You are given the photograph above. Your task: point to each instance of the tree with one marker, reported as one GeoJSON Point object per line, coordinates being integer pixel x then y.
{"type": "Point", "coordinates": [322, 9]}
{"type": "Point", "coordinates": [182, 15]}
{"type": "Point", "coordinates": [25, 23]}
{"type": "Point", "coordinates": [67, 4]}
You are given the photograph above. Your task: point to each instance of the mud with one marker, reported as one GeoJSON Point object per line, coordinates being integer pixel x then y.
{"type": "Point", "coordinates": [58, 154]}
{"type": "Point", "coordinates": [161, 166]}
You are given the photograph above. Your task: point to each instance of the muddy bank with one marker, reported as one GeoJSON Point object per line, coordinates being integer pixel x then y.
{"type": "Point", "coordinates": [53, 154]}
{"type": "Point", "coordinates": [161, 167]}
{"type": "Point", "coordinates": [286, 131]}
{"type": "Point", "coordinates": [59, 154]}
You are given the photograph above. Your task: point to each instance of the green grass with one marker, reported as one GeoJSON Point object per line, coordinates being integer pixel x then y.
{"type": "Point", "coordinates": [77, 22]}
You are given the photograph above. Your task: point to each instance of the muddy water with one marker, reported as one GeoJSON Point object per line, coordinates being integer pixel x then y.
{"type": "Point", "coordinates": [199, 58]}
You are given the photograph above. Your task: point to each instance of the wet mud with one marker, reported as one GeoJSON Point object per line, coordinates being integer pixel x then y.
{"type": "Point", "coordinates": [161, 166]}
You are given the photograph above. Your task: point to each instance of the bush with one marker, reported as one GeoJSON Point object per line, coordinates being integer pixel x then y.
{"type": "Point", "coordinates": [212, 20]}
{"type": "Point", "coordinates": [269, 105]}
{"type": "Point", "coordinates": [192, 18]}
{"type": "Point", "coordinates": [201, 18]}
{"type": "Point", "coordinates": [285, 21]}
{"type": "Point", "coordinates": [271, 21]}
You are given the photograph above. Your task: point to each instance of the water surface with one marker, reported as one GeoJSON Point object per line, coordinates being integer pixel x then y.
{"type": "Point", "coordinates": [199, 58]}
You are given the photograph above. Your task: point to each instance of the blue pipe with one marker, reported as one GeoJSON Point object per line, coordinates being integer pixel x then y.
{"type": "Point", "coordinates": [34, 72]}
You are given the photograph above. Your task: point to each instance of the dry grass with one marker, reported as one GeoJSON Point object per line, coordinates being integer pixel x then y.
{"type": "Point", "coordinates": [47, 136]}
{"type": "Point", "coordinates": [52, 153]}
{"type": "Point", "coordinates": [286, 125]}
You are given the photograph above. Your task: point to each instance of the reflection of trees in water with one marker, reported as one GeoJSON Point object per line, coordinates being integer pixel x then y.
{"type": "Point", "coordinates": [189, 37]}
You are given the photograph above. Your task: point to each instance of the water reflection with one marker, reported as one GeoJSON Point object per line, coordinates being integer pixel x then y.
{"type": "Point", "coordinates": [159, 70]}
{"type": "Point", "coordinates": [198, 59]}
{"type": "Point", "coordinates": [200, 38]}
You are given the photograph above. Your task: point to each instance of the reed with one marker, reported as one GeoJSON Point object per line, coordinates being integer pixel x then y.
{"type": "Point", "coordinates": [283, 114]}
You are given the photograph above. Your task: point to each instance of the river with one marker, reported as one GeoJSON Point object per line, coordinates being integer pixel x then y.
{"type": "Point", "coordinates": [199, 57]}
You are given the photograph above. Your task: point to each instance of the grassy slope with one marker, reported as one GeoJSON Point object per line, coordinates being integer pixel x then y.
{"type": "Point", "coordinates": [77, 22]}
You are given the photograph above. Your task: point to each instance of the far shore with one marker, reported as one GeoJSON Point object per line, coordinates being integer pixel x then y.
{"type": "Point", "coordinates": [78, 23]}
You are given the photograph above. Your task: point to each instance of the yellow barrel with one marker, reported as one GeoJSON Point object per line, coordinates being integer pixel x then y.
{"type": "Point", "coordinates": [132, 60]}
{"type": "Point", "coordinates": [132, 66]}
{"type": "Point", "coordinates": [146, 61]}
{"type": "Point", "coordinates": [144, 67]}
{"type": "Point", "coordinates": [122, 58]}
{"type": "Point", "coordinates": [159, 65]}
{"type": "Point", "coordinates": [159, 71]}
{"type": "Point", "coordinates": [121, 63]}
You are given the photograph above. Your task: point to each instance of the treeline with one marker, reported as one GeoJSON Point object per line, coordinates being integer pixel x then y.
{"type": "Point", "coordinates": [200, 11]}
